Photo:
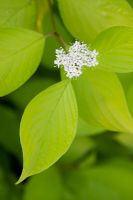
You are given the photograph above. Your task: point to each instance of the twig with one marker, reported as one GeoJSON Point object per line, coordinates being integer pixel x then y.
{"type": "Point", "coordinates": [55, 33]}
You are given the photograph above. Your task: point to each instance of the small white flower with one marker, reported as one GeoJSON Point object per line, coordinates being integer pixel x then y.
{"type": "Point", "coordinates": [77, 57]}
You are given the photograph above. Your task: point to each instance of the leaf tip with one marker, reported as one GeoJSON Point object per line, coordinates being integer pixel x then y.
{"type": "Point", "coordinates": [22, 178]}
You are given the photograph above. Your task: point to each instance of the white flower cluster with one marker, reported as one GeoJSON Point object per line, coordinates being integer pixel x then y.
{"type": "Point", "coordinates": [77, 57]}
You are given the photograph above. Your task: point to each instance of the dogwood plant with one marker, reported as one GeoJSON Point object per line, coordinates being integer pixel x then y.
{"type": "Point", "coordinates": [90, 90]}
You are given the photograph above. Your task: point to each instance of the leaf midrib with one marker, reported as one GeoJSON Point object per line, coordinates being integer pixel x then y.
{"type": "Point", "coordinates": [58, 102]}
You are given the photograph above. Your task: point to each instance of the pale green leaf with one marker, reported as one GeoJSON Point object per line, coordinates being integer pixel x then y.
{"type": "Point", "coordinates": [115, 47]}
{"type": "Point", "coordinates": [18, 13]}
{"type": "Point", "coordinates": [47, 185]}
{"type": "Point", "coordinates": [85, 19]}
{"type": "Point", "coordinates": [101, 100]}
{"type": "Point", "coordinates": [20, 54]}
{"type": "Point", "coordinates": [48, 128]}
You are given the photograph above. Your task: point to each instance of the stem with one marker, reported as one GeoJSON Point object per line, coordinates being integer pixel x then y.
{"type": "Point", "coordinates": [55, 33]}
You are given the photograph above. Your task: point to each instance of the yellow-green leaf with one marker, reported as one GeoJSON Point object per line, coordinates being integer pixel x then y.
{"type": "Point", "coordinates": [101, 101]}
{"type": "Point", "coordinates": [115, 47]}
{"type": "Point", "coordinates": [85, 19]}
{"type": "Point", "coordinates": [48, 128]}
{"type": "Point", "coordinates": [18, 13]}
{"type": "Point", "coordinates": [20, 54]}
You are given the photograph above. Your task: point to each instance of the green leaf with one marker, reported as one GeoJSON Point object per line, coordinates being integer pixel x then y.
{"type": "Point", "coordinates": [115, 51]}
{"type": "Point", "coordinates": [16, 13]}
{"type": "Point", "coordinates": [20, 54]}
{"type": "Point", "coordinates": [85, 19]}
{"type": "Point", "coordinates": [112, 181]}
{"type": "Point", "coordinates": [101, 101]}
{"type": "Point", "coordinates": [46, 185]}
{"type": "Point", "coordinates": [48, 128]}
